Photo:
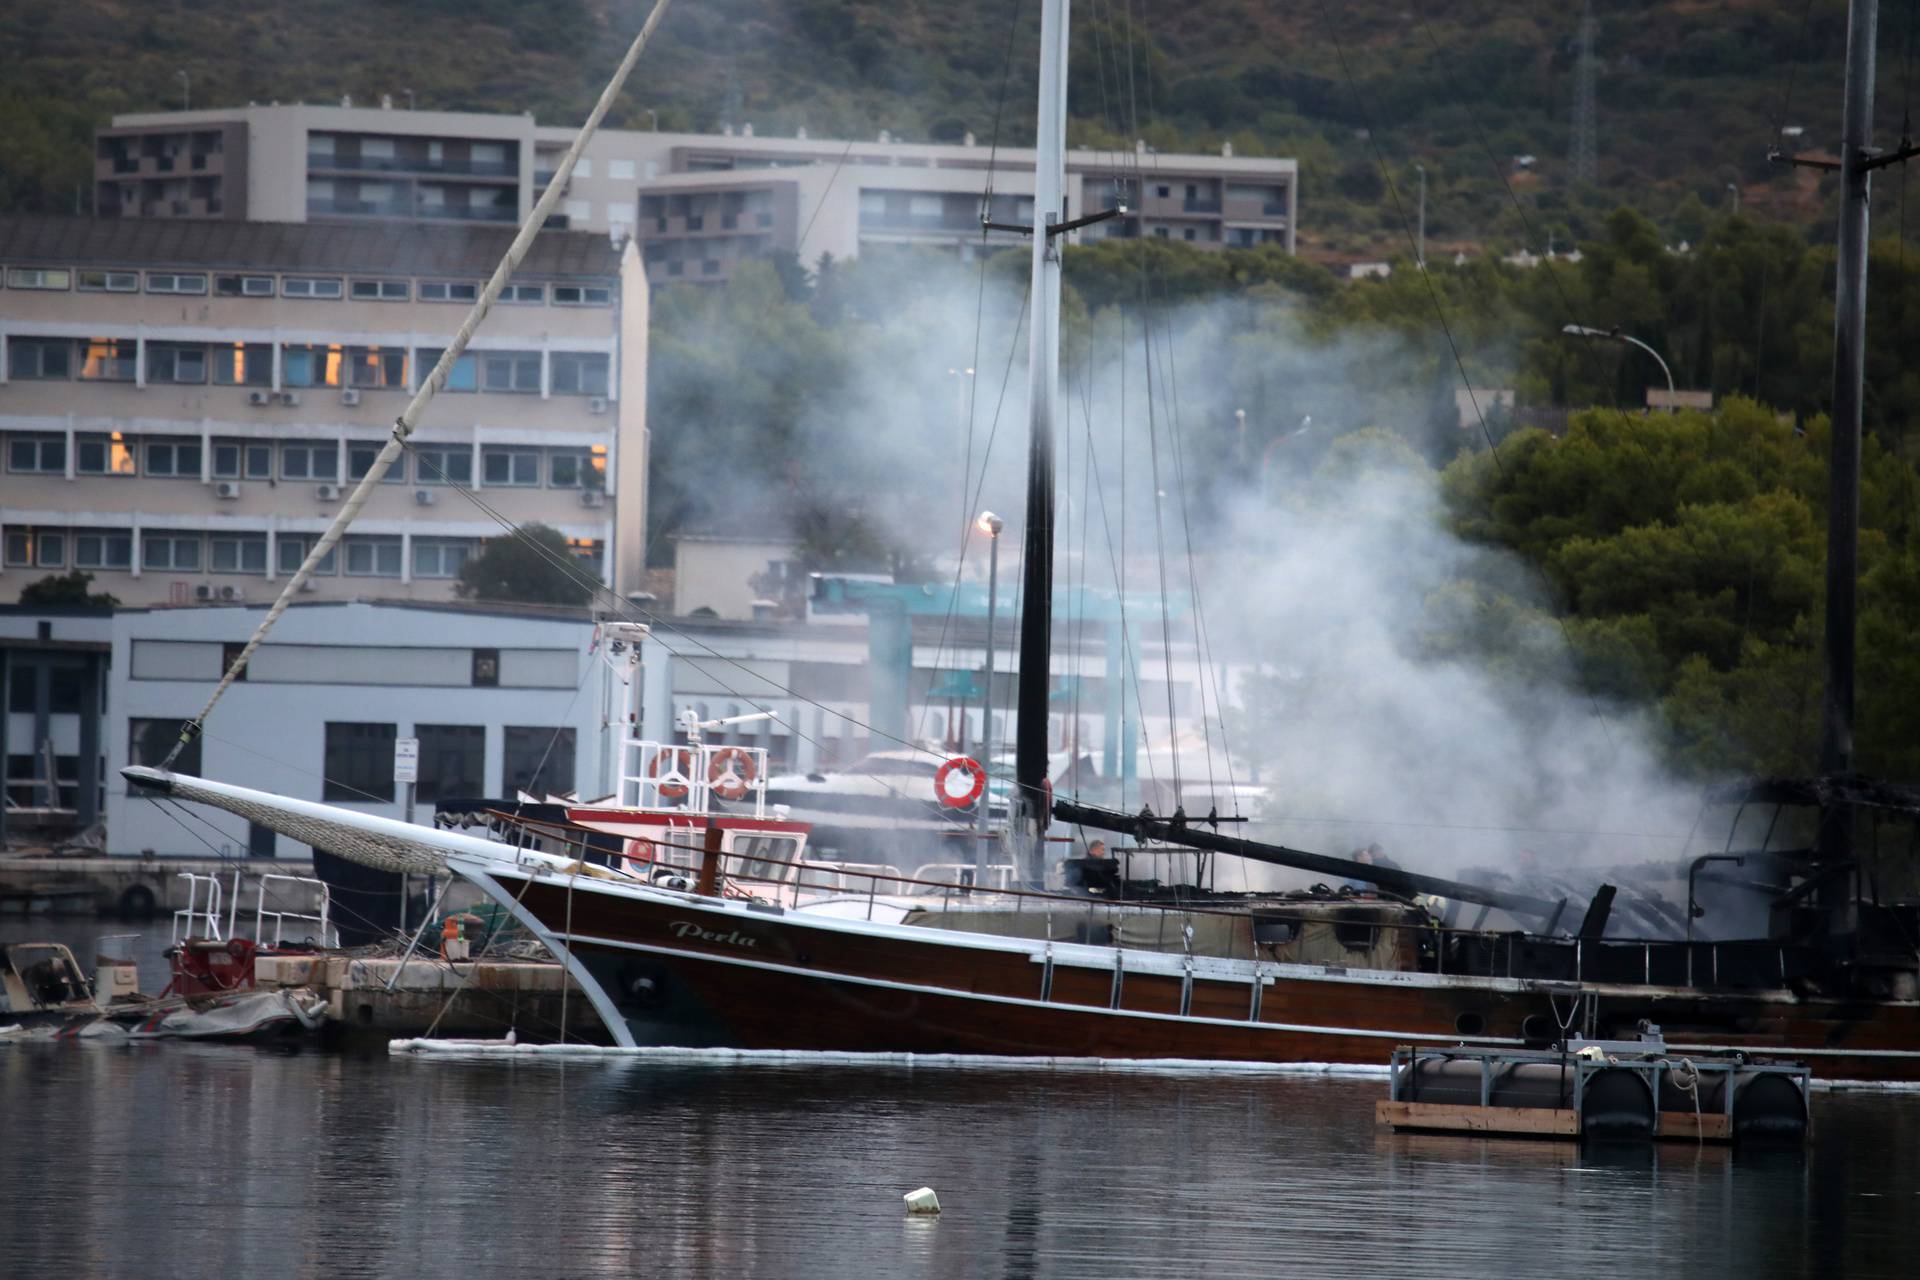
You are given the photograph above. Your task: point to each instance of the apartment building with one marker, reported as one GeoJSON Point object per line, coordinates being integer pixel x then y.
{"type": "Point", "coordinates": [184, 404]}
{"type": "Point", "coordinates": [698, 203]}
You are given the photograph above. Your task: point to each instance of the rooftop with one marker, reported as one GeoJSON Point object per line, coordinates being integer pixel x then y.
{"type": "Point", "coordinates": [396, 248]}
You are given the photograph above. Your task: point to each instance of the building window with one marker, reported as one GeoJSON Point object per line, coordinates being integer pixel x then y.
{"type": "Point", "coordinates": [243, 286]}
{"type": "Point", "coordinates": [439, 557]}
{"type": "Point", "coordinates": [290, 552]}
{"type": "Point", "coordinates": [511, 466]}
{"type": "Point", "coordinates": [589, 551]}
{"type": "Point", "coordinates": [149, 741]}
{"type": "Point", "coordinates": [443, 464]}
{"type": "Point", "coordinates": [620, 170]}
{"type": "Point", "coordinates": [462, 377]}
{"type": "Point", "coordinates": [369, 557]}
{"type": "Point", "coordinates": [102, 549]}
{"type": "Point", "coordinates": [38, 278]}
{"type": "Point", "coordinates": [176, 282]}
{"type": "Point", "coordinates": [242, 460]}
{"type": "Point", "coordinates": [536, 761]}
{"type": "Point", "coordinates": [620, 214]}
{"type": "Point", "coordinates": [486, 668]}
{"type": "Point", "coordinates": [360, 458]}
{"type": "Point", "coordinates": [309, 460]}
{"type": "Point", "coordinates": [524, 294]}
{"type": "Point", "coordinates": [40, 359]}
{"type": "Point", "coordinates": [513, 371]}
{"type": "Point", "coordinates": [585, 295]}
{"type": "Point", "coordinates": [377, 368]}
{"type": "Point", "coordinates": [237, 553]}
{"type": "Point", "coordinates": [577, 373]}
{"type": "Point", "coordinates": [176, 551]}
{"type": "Point", "coordinates": [310, 287]}
{"type": "Point", "coordinates": [359, 762]}
{"type": "Point", "coordinates": [448, 291]}
{"type": "Point", "coordinates": [452, 760]}
{"type": "Point", "coordinates": [110, 281]}
{"type": "Point", "coordinates": [107, 360]}
{"type": "Point", "coordinates": [169, 363]}
{"type": "Point", "coordinates": [179, 458]}
{"type": "Point", "coordinates": [310, 366]}
{"type": "Point", "coordinates": [243, 364]}
{"type": "Point", "coordinates": [380, 290]}
{"type": "Point", "coordinates": [30, 548]}
{"type": "Point", "coordinates": [108, 455]}
{"type": "Point", "coordinates": [37, 455]}
{"type": "Point", "coordinates": [583, 167]}
{"type": "Point", "coordinates": [578, 468]}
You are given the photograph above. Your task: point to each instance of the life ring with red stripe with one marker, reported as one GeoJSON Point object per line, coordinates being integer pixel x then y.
{"type": "Point", "coordinates": [731, 772]}
{"type": "Point", "coordinates": [943, 780]}
{"type": "Point", "coordinates": [681, 766]}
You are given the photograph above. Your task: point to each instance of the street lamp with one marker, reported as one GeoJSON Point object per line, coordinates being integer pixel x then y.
{"type": "Point", "coordinates": [1582, 331]}
{"type": "Point", "coordinates": [1420, 254]}
{"type": "Point", "coordinates": [962, 424]}
{"type": "Point", "coordinates": [989, 524]}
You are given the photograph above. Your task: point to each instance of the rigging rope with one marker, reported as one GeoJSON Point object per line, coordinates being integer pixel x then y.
{"type": "Point", "coordinates": [404, 425]}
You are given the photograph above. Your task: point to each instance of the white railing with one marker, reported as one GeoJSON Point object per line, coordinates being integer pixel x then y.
{"type": "Point", "coordinates": [996, 875]}
{"type": "Point", "coordinates": [207, 912]}
{"type": "Point", "coordinates": [690, 776]}
{"type": "Point", "coordinates": [322, 917]}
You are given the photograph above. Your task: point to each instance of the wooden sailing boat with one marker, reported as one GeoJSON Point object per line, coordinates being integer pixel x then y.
{"type": "Point", "coordinates": [715, 936]}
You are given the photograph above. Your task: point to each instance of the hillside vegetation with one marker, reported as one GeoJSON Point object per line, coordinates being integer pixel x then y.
{"type": "Point", "coordinates": [1688, 93]}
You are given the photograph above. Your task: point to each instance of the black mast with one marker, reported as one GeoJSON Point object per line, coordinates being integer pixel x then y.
{"type": "Point", "coordinates": [1849, 374]}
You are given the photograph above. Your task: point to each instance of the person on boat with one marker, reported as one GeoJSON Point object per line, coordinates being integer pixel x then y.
{"type": "Point", "coordinates": [1370, 856]}
{"type": "Point", "coordinates": [1094, 872]}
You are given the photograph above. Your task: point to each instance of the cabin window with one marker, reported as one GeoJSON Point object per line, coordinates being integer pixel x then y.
{"type": "Point", "coordinates": [359, 762]}
{"type": "Point", "coordinates": [763, 857]}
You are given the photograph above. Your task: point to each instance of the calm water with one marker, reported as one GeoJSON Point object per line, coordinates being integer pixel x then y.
{"type": "Point", "coordinates": [197, 1160]}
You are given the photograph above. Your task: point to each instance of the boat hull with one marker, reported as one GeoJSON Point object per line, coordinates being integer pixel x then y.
{"type": "Point", "coordinates": [701, 972]}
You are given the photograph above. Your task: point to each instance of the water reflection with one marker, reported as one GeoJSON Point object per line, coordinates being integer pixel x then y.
{"type": "Point", "coordinates": [201, 1160]}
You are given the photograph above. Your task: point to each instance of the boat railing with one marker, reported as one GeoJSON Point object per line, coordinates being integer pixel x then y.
{"type": "Point", "coordinates": [1642, 961]}
{"type": "Point", "coordinates": [202, 910]}
{"type": "Point", "coordinates": [691, 776]}
{"type": "Point", "coordinates": [321, 916]}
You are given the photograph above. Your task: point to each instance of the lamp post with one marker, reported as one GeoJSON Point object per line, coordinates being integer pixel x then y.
{"type": "Point", "coordinates": [962, 380]}
{"type": "Point", "coordinates": [989, 524]}
{"type": "Point", "coordinates": [1694, 910]}
{"type": "Point", "coordinates": [1583, 331]}
{"type": "Point", "coordinates": [1420, 254]}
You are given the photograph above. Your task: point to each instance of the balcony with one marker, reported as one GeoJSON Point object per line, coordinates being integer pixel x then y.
{"type": "Point", "coordinates": [1201, 206]}
{"type": "Point", "coordinates": [329, 162]}
{"type": "Point", "coordinates": [360, 208]}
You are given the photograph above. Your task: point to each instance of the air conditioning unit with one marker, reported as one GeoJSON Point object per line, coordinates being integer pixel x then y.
{"type": "Point", "coordinates": [425, 497]}
{"type": "Point", "coordinates": [203, 591]}
{"type": "Point", "coordinates": [290, 399]}
{"type": "Point", "coordinates": [226, 488]}
{"type": "Point", "coordinates": [350, 397]}
{"type": "Point", "coordinates": [229, 592]}
{"type": "Point", "coordinates": [327, 492]}
{"type": "Point", "coordinates": [596, 404]}
{"type": "Point", "coordinates": [259, 399]}
{"type": "Point", "coordinates": [593, 498]}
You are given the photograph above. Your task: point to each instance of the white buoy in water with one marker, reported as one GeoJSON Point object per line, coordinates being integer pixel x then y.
{"type": "Point", "coordinates": [922, 1201]}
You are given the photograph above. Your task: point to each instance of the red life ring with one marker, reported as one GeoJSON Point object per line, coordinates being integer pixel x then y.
{"type": "Point", "coordinates": [973, 770]}
{"type": "Point", "coordinates": [682, 765]}
{"type": "Point", "coordinates": [730, 773]}
{"type": "Point", "coordinates": [639, 850]}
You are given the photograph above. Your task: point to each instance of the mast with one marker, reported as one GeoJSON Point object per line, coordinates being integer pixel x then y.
{"type": "Point", "coordinates": [1849, 374]}
{"type": "Point", "coordinates": [1028, 817]}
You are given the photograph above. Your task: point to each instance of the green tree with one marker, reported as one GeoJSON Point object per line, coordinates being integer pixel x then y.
{"type": "Point", "coordinates": [66, 588]}
{"type": "Point", "coordinates": [533, 565]}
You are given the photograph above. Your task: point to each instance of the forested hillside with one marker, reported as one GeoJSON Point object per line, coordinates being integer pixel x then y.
{"type": "Point", "coordinates": [1687, 93]}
